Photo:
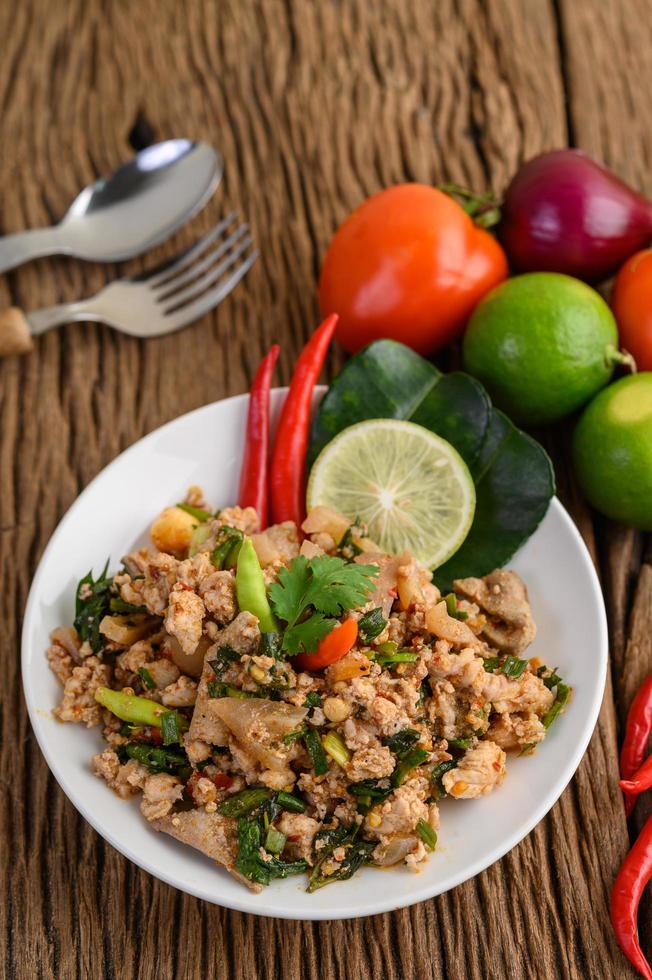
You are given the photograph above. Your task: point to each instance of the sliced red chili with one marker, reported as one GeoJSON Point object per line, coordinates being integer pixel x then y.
{"type": "Point", "coordinates": [254, 476]}
{"type": "Point", "coordinates": [288, 471]}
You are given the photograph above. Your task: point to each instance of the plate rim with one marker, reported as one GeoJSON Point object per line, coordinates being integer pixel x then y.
{"type": "Point", "coordinates": [402, 900]}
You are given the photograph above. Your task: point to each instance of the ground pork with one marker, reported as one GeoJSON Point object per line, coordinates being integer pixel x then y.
{"type": "Point", "coordinates": [243, 518]}
{"type": "Point", "coordinates": [524, 693]}
{"type": "Point", "coordinates": [61, 663]}
{"type": "Point", "coordinates": [182, 693]}
{"type": "Point", "coordinates": [159, 573]}
{"type": "Point", "coordinates": [401, 812]}
{"type": "Point", "coordinates": [125, 780]}
{"type": "Point", "coordinates": [184, 617]}
{"type": "Point", "coordinates": [479, 770]}
{"type": "Point", "coordinates": [218, 592]}
{"type": "Point", "coordinates": [78, 702]}
{"type": "Point", "coordinates": [160, 793]}
{"type": "Point", "coordinates": [513, 732]}
{"type": "Point", "coordinates": [300, 831]}
{"type": "Point", "coordinates": [374, 762]}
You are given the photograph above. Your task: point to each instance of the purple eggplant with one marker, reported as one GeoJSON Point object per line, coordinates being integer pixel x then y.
{"type": "Point", "coordinates": [565, 212]}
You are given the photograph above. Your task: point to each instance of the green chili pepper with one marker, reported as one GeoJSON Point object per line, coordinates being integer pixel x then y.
{"type": "Point", "coordinates": [250, 588]}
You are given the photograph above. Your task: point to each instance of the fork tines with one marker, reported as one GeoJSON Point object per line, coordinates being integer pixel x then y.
{"type": "Point", "coordinates": [196, 282]}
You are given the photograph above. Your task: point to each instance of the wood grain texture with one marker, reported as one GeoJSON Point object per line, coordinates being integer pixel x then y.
{"type": "Point", "coordinates": [313, 106]}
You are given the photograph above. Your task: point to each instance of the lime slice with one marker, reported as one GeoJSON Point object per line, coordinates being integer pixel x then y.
{"type": "Point", "coordinates": [410, 487]}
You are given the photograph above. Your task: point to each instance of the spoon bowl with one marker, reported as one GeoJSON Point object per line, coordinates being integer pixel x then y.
{"type": "Point", "coordinates": [140, 205]}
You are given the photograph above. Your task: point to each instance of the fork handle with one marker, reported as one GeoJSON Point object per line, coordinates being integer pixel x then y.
{"type": "Point", "coordinates": [15, 335]}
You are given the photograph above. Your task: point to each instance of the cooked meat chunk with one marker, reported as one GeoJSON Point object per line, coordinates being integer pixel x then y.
{"type": "Point", "coordinates": [125, 780]}
{"type": "Point", "coordinates": [300, 831]}
{"type": "Point", "coordinates": [210, 833]}
{"type": "Point", "coordinates": [182, 693]}
{"type": "Point", "coordinates": [78, 702]}
{"type": "Point", "coordinates": [60, 661]}
{"type": "Point", "coordinates": [159, 573]}
{"type": "Point", "coordinates": [279, 543]}
{"type": "Point", "coordinates": [184, 617]}
{"type": "Point", "coordinates": [513, 732]}
{"type": "Point", "coordinates": [479, 770]}
{"type": "Point", "coordinates": [374, 762]}
{"type": "Point", "coordinates": [525, 693]}
{"type": "Point", "coordinates": [243, 518]}
{"type": "Point", "coordinates": [259, 725]}
{"type": "Point", "coordinates": [503, 597]}
{"type": "Point", "coordinates": [160, 793]}
{"type": "Point", "coordinates": [401, 812]}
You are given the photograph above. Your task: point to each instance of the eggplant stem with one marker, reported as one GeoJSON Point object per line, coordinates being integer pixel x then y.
{"type": "Point", "coordinates": [623, 358]}
{"type": "Point", "coordinates": [483, 208]}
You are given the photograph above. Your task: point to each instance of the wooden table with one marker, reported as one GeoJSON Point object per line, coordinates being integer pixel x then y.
{"type": "Point", "coordinates": [313, 106]}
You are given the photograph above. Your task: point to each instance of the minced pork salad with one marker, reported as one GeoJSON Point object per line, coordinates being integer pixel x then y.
{"type": "Point", "coordinates": [295, 701]}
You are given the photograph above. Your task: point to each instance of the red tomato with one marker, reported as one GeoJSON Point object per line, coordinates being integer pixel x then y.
{"type": "Point", "coordinates": [332, 648]}
{"type": "Point", "coordinates": [409, 264]}
{"type": "Point", "coordinates": [632, 305]}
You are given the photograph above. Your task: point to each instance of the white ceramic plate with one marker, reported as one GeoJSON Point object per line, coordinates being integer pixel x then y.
{"type": "Point", "coordinates": [111, 516]}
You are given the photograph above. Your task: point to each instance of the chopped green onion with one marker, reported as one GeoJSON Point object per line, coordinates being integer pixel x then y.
{"type": "Point", "coordinates": [155, 758]}
{"type": "Point", "coordinates": [427, 834]}
{"type": "Point", "coordinates": [225, 553]}
{"type": "Point", "coordinates": [560, 702]}
{"type": "Point", "coordinates": [371, 624]}
{"type": "Point", "coordinates": [118, 605]}
{"type": "Point", "coordinates": [313, 700]}
{"type": "Point", "coordinates": [451, 607]}
{"type": "Point", "coordinates": [146, 678]}
{"type": "Point", "coordinates": [274, 841]}
{"type": "Point", "coordinates": [199, 536]}
{"type": "Point", "coordinates": [244, 802]}
{"type": "Point", "coordinates": [402, 741]}
{"type": "Point", "coordinates": [217, 690]}
{"type": "Point", "coordinates": [198, 513]}
{"type": "Point", "coordinates": [550, 680]}
{"type": "Point", "coordinates": [368, 792]}
{"type": "Point", "coordinates": [290, 802]}
{"type": "Point", "coordinates": [509, 666]}
{"type": "Point", "coordinates": [389, 647]}
{"type": "Point", "coordinates": [315, 751]}
{"type": "Point", "coordinates": [407, 763]}
{"type": "Point", "coordinates": [402, 657]}
{"type": "Point", "coordinates": [334, 745]}
{"type": "Point", "coordinates": [224, 656]}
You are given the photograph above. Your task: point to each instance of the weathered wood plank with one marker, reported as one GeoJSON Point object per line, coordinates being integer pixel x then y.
{"type": "Point", "coordinates": [313, 106]}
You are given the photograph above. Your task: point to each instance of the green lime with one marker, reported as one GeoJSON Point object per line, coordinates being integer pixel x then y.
{"type": "Point", "coordinates": [612, 451]}
{"type": "Point", "coordinates": [542, 344]}
{"type": "Point", "coordinates": [409, 486]}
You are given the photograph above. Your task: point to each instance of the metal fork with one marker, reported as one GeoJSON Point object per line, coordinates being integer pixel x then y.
{"type": "Point", "coordinates": [155, 303]}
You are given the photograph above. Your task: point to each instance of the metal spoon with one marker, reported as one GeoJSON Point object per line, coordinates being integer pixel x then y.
{"type": "Point", "coordinates": [138, 206]}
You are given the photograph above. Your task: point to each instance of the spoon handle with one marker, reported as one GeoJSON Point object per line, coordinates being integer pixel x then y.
{"type": "Point", "coordinates": [26, 245]}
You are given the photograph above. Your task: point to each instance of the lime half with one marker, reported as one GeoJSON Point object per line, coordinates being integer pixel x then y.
{"type": "Point", "coordinates": [410, 487]}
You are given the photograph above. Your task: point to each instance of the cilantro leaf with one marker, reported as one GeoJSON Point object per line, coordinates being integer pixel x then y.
{"type": "Point", "coordinates": [311, 593]}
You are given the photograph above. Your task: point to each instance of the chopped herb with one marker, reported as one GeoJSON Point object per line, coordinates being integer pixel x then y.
{"type": "Point", "coordinates": [243, 803]}
{"type": "Point", "coordinates": [407, 763]}
{"type": "Point", "coordinates": [451, 607]}
{"type": "Point", "coordinates": [271, 645]}
{"type": "Point", "coordinates": [427, 834]}
{"type": "Point", "coordinates": [369, 792]}
{"type": "Point", "coordinates": [358, 852]}
{"type": "Point", "coordinates": [312, 593]}
{"type": "Point", "coordinates": [560, 702]}
{"type": "Point", "coordinates": [290, 737]}
{"type": "Point", "coordinates": [198, 513]}
{"type": "Point", "coordinates": [156, 759]}
{"type": "Point", "coordinates": [274, 841]}
{"type": "Point", "coordinates": [171, 725]}
{"type": "Point", "coordinates": [217, 690]}
{"type": "Point", "coordinates": [287, 801]}
{"type": "Point", "coordinates": [335, 746]}
{"type": "Point", "coordinates": [118, 605]}
{"type": "Point", "coordinates": [224, 656]}
{"type": "Point", "coordinates": [509, 666]}
{"type": "Point", "coordinates": [371, 624]}
{"type": "Point", "coordinates": [313, 700]}
{"type": "Point", "coordinates": [146, 678]}
{"type": "Point", "coordinates": [402, 741]}
{"type": "Point", "coordinates": [347, 545]}
{"type": "Point", "coordinates": [436, 776]}
{"type": "Point", "coordinates": [551, 679]}
{"type": "Point", "coordinates": [250, 863]}
{"type": "Point", "coordinates": [402, 657]}
{"type": "Point", "coordinates": [227, 547]}
{"type": "Point", "coordinates": [91, 606]}
{"type": "Point", "coordinates": [388, 648]}
{"type": "Point", "coordinates": [317, 755]}
{"type": "Point", "coordinates": [459, 743]}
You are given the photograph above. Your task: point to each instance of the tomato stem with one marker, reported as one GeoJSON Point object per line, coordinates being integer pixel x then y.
{"type": "Point", "coordinates": [483, 208]}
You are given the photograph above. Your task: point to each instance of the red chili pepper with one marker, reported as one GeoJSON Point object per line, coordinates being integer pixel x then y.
{"type": "Point", "coordinates": [288, 477]}
{"type": "Point", "coordinates": [222, 780]}
{"type": "Point", "coordinates": [637, 737]}
{"type": "Point", "coordinates": [254, 481]}
{"type": "Point", "coordinates": [640, 781]}
{"type": "Point", "coordinates": [332, 648]}
{"type": "Point", "coordinates": [626, 893]}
